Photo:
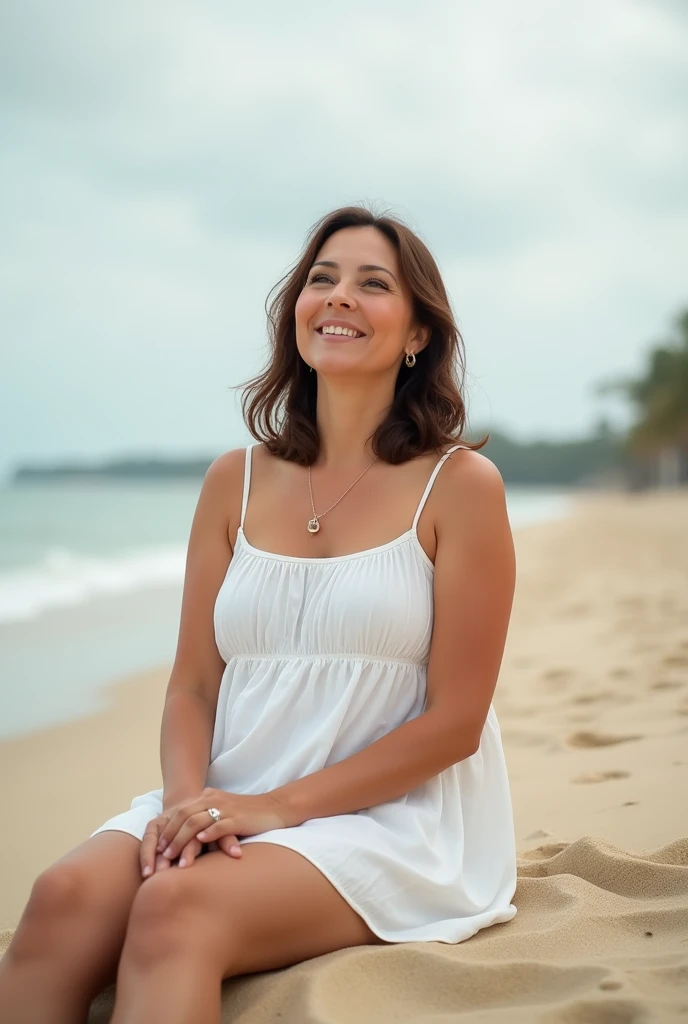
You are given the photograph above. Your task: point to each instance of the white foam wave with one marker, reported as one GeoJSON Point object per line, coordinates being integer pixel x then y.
{"type": "Point", "coordinates": [63, 579]}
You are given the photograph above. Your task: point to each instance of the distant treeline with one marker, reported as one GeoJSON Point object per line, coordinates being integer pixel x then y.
{"type": "Point", "coordinates": [588, 461]}
{"type": "Point", "coordinates": [125, 469]}
{"type": "Point", "coordinates": [565, 463]}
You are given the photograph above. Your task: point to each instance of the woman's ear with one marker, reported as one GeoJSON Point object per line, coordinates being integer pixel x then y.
{"type": "Point", "coordinates": [423, 335]}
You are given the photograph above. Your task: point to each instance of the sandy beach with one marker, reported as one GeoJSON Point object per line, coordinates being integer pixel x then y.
{"type": "Point", "coordinates": [593, 705]}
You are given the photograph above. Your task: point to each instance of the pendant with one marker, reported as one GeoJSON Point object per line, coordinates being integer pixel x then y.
{"type": "Point", "coordinates": [313, 525]}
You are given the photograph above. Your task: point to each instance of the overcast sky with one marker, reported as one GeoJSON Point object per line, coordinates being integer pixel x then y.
{"type": "Point", "coordinates": [163, 161]}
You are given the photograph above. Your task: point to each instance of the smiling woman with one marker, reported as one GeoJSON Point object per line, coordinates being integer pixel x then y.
{"type": "Point", "coordinates": [328, 742]}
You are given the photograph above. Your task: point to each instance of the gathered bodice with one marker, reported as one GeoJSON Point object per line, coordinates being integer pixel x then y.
{"type": "Point", "coordinates": [375, 604]}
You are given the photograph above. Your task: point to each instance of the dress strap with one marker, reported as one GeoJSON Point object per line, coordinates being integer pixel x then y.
{"type": "Point", "coordinates": [247, 481]}
{"type": "Point", "coordinates": [431, 481]}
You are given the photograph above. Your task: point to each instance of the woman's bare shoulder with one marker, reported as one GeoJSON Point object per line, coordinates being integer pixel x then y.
{"type": "Point", "coordinates": [231, 463]}
{"type": "Point", "coordinates": [224, 477]}
{"type": "Point", "coordinates": [470, 483]}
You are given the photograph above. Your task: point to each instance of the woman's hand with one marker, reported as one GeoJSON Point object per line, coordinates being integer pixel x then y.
{"type": "Point", "coordinates": [240, 815]}
{"type": "Point", "coordinates": [150, 860]}
{"type": "Point", "coordinates": [156, 862]}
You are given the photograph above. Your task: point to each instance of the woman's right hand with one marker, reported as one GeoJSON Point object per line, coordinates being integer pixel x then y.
{"type": "Point", "coordinates": [151, 861]}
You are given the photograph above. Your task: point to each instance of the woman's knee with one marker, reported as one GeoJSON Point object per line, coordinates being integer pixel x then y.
{"type": "Point", "coordinates": [58, 895]}
{"type": "Point", "coordinates": [85, 893]}
{"type": "Point", "coordinates": [171, 914]}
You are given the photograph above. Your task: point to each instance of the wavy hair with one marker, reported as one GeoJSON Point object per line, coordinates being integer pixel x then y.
{"type": "Point", "coordinates": [428, 409]}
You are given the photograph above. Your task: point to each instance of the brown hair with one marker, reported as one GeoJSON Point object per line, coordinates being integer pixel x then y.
{"type": "Point", "coordinates": [428, 409]}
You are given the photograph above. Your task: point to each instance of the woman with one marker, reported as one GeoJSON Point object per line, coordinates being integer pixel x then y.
{"type": "Point", "coordinates": [328, 741]}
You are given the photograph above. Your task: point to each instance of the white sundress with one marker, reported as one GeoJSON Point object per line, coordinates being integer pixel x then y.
{"type": "Point", "coordinates": [323, 657]}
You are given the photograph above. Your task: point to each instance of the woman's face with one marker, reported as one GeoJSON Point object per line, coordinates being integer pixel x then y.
{"type": "Point", "coordinates": [376, 302]}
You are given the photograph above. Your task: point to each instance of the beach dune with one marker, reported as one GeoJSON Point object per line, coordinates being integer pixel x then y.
{"type": "Point", "coordinates": [593, 705]}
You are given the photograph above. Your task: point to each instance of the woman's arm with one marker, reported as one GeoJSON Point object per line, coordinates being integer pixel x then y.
{"type": "Point", "coordinates": [192, 692]}
{"type": "Point", "coordinates": [474, 585]}
{"type": "Point", "coordinates": [185, 737]}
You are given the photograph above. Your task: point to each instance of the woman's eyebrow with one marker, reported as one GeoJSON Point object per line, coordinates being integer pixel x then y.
{"type": "Point", "coordinates": [364, 266]}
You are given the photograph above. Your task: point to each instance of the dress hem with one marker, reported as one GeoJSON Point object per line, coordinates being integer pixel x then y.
{"type": "Point", "coordinates": [365, 917]}
{"type": "Point", "coordinates": [355, 906]}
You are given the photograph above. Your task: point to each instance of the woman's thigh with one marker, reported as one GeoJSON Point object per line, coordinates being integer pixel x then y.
{"type": "Point", "coordinates": [268, 909]}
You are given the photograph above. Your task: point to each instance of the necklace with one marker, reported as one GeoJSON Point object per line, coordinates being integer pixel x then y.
{"type": "Point", "coordinates": [313, 524]}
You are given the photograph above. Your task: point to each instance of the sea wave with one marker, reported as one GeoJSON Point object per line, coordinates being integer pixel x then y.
{"type": "Point", "coordinates": [63, 579]}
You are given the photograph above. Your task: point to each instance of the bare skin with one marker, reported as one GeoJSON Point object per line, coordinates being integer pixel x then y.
{"type": "Point", "coordinates": [167, 941]}
{"type": "Point", "coordinates": [67, 944]}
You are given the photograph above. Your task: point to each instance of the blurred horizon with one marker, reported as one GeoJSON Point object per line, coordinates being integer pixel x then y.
{"type": "Point", "coordinates": [163, 165]}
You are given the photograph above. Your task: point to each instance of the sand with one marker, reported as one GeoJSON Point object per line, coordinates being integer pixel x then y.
{"type": "Point", "coordinates": [593, 705]}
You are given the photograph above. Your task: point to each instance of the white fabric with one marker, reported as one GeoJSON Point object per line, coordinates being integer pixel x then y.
{"type": "Point", "coordinates": [323, 656]}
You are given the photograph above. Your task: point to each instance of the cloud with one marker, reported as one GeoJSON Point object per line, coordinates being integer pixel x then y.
{"type": "Point", "coordinates": [164, 161]}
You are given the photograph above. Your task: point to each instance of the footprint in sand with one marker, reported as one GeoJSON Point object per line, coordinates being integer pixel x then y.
{"type": "Point", "coordinates": [619, 673]}
{"type": "Point", "coordinates": [682, 709]}
{"type": "Point", "coordinates": [631, 803]}
{"type": "Point", "coordinates": [598, 739]}
{"type": "Point", "coordinates": [601, 776]}
{"type": "Point", "coordinates": [675, 659]}
{"type": "Point", "coordinates": [525, 738]}
{"type": "Point", "coordinates": [557, 679]}
{"type": "Point", "coordinates": [666, 684]}
{"type": "Point", "coordinates": [598, 695]}
{"type": "Point", "coordinates": [557, 673]}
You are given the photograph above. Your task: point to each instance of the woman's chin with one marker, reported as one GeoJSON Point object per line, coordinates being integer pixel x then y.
{"type": "Point", "coordinates": [337, 366]}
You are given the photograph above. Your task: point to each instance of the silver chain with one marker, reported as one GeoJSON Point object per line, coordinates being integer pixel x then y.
{"type": "Point", "coordinates": [318, 517]}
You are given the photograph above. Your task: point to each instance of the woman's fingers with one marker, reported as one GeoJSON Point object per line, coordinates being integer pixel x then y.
{"type": "Point", "coordinates": [188, 854]}
{"type": "Point", "coordinates": [147, 851]}
{"type": "Point", "coordinates": [230, 845]}
{"type": "Point", "coordinates": [154, 861]}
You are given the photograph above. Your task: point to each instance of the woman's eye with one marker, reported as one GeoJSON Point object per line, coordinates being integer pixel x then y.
{"type": "Point", "coordinates": [326, 277]}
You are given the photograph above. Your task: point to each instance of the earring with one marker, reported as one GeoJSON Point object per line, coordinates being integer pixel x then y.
{"type": "Point", "coordinates": [410, 358]}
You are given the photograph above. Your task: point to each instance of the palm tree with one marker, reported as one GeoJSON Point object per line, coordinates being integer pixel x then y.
{"type": "Point", "coordinates": [659, 435]}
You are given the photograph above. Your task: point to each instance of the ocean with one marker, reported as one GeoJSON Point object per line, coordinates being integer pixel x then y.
{"type": "Point", "coordinates": [91, 576]}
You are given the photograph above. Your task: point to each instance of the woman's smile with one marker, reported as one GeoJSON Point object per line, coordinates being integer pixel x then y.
{"type": "Point", "coordinates": [338, 337]}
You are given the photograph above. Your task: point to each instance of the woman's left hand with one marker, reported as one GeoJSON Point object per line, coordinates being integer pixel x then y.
{"type": "Point", "coordinates": [240, 815]}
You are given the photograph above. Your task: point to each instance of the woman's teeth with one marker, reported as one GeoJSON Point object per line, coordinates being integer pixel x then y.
{"type": "Point", "coordinates": [340, 330]}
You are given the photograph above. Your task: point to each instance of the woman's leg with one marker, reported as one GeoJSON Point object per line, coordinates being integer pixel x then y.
{"type": "Point", "coordinates": [67, 944]}
{"type": "Point", "coordinates": [189, 929]}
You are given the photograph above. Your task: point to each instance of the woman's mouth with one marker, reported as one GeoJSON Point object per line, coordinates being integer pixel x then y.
{"type": "Point", "coordinates": [339, 335]}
